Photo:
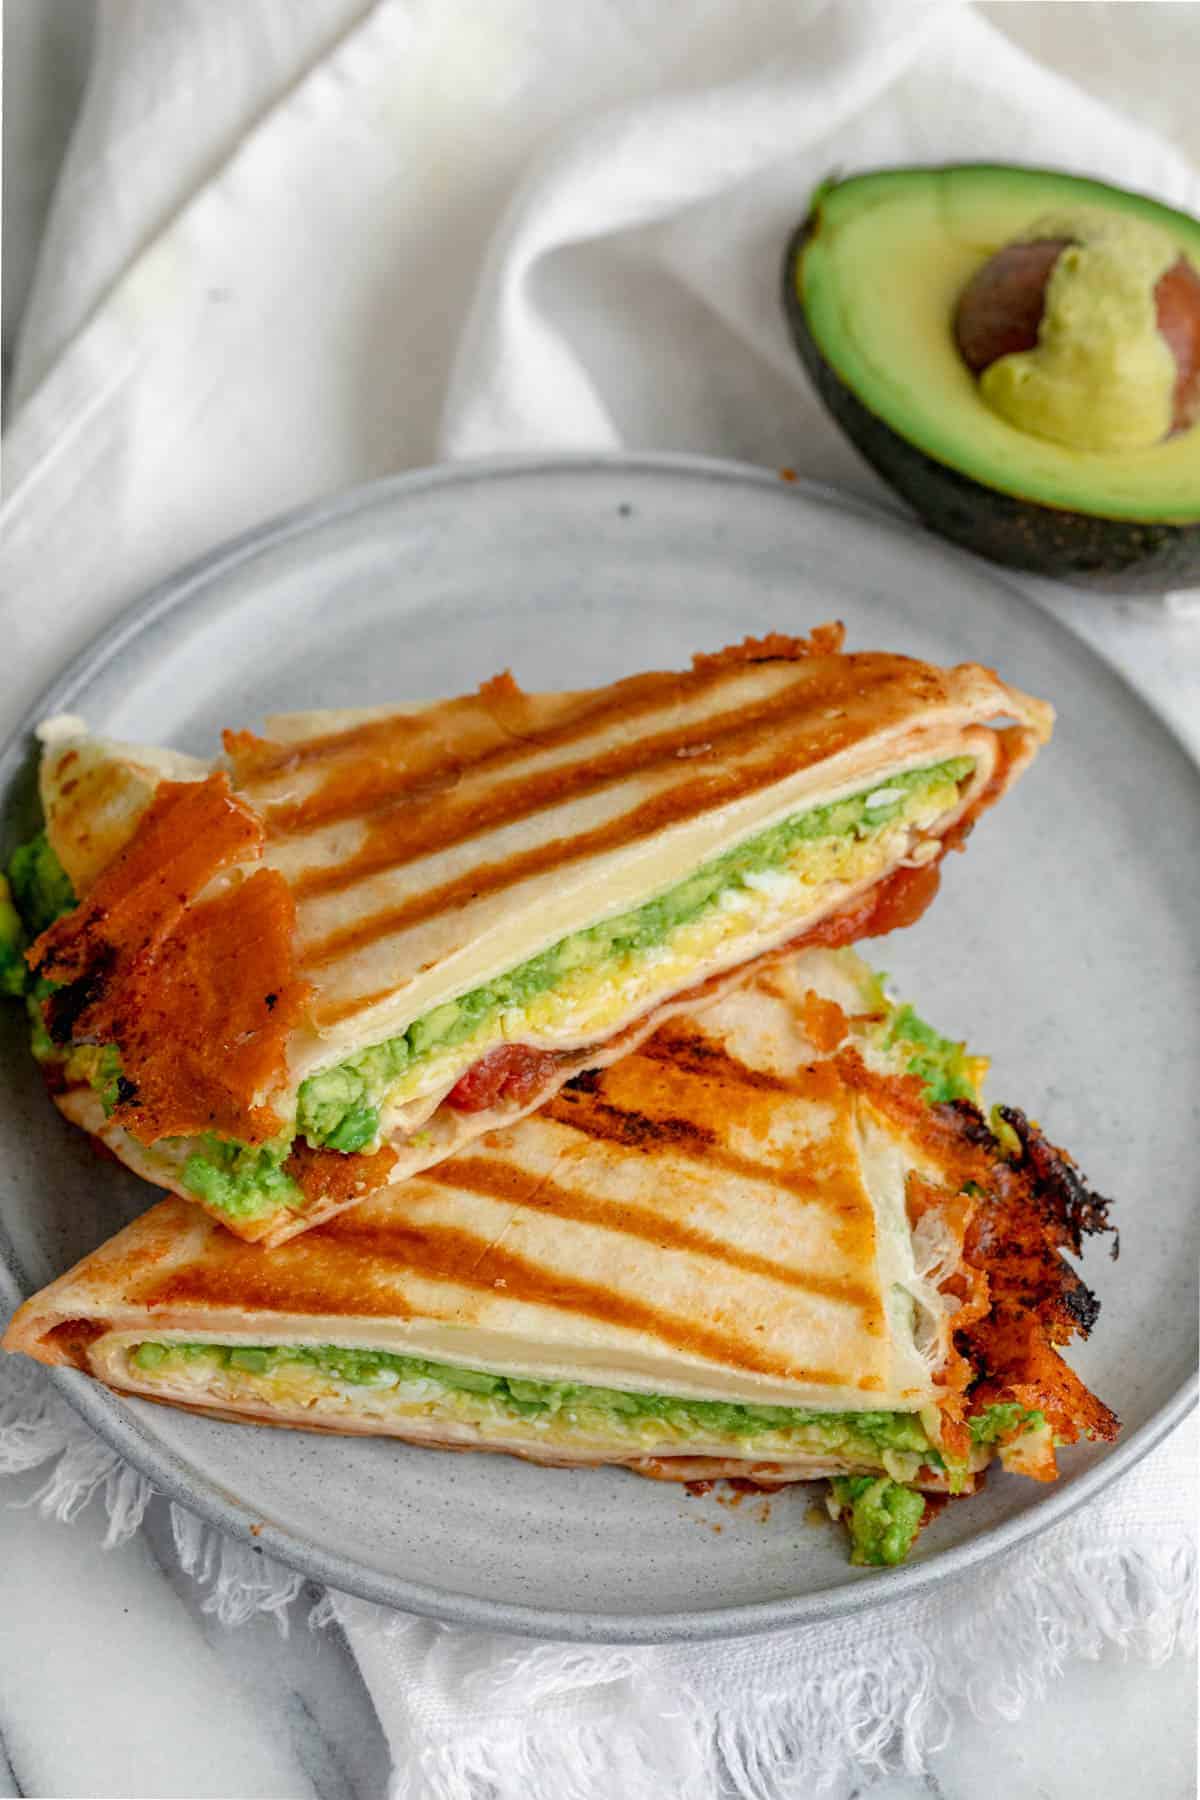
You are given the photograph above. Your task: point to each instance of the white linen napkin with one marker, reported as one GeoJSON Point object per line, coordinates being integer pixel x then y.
{"type": "Point", "coordinates": [295, 248]}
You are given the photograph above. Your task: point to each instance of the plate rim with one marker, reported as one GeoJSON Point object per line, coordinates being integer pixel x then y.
{"type": "Point", "coordinates": [111, 1416]}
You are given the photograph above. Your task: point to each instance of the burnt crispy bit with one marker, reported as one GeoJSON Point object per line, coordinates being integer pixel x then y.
{"type": "Point", "coordinates": [1022, 1250]}
{"type": "Point", "coordinates": [633, 1130]}
{"type": "Point", "coordinates": [1027, 1271]}
{"type": "Point", "coordinates": [1044, 1176]}
{"type": "Point", "coordinates": [966, 1119]}
{"type": "Point", "coordinates": [1033, 1206]}
{"type": "Point", "coordinates": [1080, 1303]}
{"type": "Point", "coordinates": [777, 646]}
{"type": "Point", "coordinates": [1064, 1198]}
{"type": "Point", "coordinates": [67, 1004]}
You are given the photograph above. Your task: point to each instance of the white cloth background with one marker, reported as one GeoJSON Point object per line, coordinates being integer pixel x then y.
{"type": "Point", "coordinates": [294, 248]}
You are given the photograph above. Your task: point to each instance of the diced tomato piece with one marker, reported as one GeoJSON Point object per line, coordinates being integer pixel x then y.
{"type": "Point", "coordinates": [898, 900]}
{"type": "Point", "coordinates": [511, 1073]}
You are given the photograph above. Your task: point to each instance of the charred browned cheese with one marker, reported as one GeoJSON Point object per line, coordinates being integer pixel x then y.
{"type": "Point", "coordinates": [1001, 308]}
{"type": "Point", "coordinates": [198, 995]}
{"type": "Point", "coordinates": [1027, 1209]}
{"type": "Point", "coordinates": [1037, 1205]}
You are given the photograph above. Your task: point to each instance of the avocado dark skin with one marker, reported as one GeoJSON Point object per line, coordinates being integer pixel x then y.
{"type": "Point", "coordinates": [1087, 549]}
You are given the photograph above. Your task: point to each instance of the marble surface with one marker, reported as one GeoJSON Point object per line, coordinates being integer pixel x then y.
{"type": "Point", "coordinates": [113, 1680]}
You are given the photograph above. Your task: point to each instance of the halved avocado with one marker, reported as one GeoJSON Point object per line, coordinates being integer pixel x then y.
{"type": "Point", "coordinates": [871, 282]}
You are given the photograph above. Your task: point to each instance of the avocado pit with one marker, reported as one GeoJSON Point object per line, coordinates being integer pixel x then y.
{"type": "Point", "coordinates": [1088, 335]}
{"type": "Point", "coordinates": [1177, 298]}
{"type": "Point", "coordinates": [1000, 310]}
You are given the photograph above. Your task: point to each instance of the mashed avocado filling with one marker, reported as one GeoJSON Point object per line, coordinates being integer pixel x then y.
{"type": "Point", "coordinates": [242, 1179]}
{"type": "Point", "coordinates": [41, 887]}
{"type": "Point", "coordinates": [881, 1516]}
{"type": "Point", "coordinates": [893, 1439]}
{"type": "Point", "coordinates": [12, 943]}
{"type": "Point", "coordinates": [340, 1108]}
{"type": "Point", "coordinates": [881, 1512]}
{"type": "Point", "coordinates": [944, 1067]}
{"type": "Point", "coordinates": [37, 891]}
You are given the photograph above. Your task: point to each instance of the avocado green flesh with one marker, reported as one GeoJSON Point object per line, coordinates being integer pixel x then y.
{"type": "Point", "coordinates": [339, 1108]}
{"type": "Point", "coordinates": [1002, 1420]}
{"type": "Point", "coordinates": [37, 891]}
{"type": "Point", "coordinates": [875, 280]}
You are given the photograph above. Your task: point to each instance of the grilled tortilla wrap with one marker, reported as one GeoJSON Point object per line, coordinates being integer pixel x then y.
{"type": "Point", "coordinates": [745, 1248]}
{"type": "Point", "coordinates": [373, 937]}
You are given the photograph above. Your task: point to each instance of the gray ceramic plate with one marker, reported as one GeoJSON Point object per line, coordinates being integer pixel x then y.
{"type": "Point", "coordinates": [1064, 944]}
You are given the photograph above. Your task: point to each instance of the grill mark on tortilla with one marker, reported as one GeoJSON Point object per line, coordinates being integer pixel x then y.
{"type": "Point", "coordinates": [312, 1275]}
{"type": "Point", "coordinates": [644, 1103]}
{"type": "Point", "coordinates": [690, 1052]}
{"type": "Point", "coordinates": [398, 838]}
{"type": "Point", "coordinates": [610, 1124]}
{"type": "Point", "coordinates": [642, 821]}
{"type": "Point", "coordinates": [347, 1268]}
{"type": "Point", "coordinates": [445, 1253]}
{"type": "Point", "coordinates": [405, 832]}
{"type": "Point", "coordinates": [499, 1180]}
